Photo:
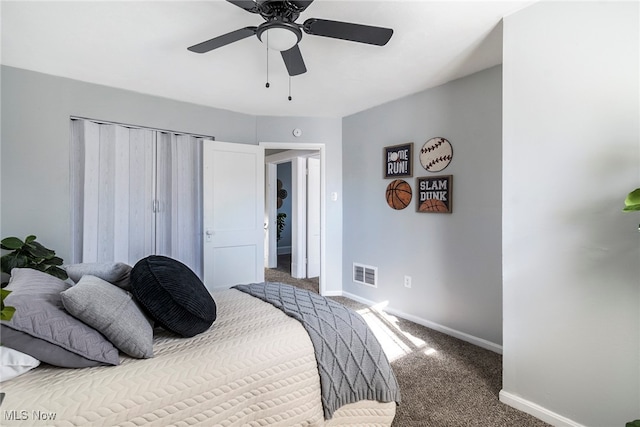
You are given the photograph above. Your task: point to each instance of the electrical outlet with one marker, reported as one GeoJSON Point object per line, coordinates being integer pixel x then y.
{"type": "Point", "coordinates": [407, 281]}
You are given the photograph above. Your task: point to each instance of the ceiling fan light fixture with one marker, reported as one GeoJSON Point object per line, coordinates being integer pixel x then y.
{"type": "Point", "coordinates": [279, 36]}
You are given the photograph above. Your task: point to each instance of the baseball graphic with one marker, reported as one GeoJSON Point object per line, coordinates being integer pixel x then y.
{"type": "Point", "coordinates": [436, 154]}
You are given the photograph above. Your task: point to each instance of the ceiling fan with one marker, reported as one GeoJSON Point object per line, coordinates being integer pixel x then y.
{"type": "Point", "coordinates": [281, 32]}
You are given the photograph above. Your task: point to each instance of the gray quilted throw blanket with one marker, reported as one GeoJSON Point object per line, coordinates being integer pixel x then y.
{"type": "Point", "coordinates": [351, 361]}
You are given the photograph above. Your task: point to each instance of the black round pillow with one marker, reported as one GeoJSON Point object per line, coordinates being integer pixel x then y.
{"type": "Point", "coordinates": [173, 295]}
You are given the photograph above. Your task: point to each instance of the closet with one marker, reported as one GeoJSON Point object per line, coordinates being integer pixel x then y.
{"type": "Point", "coordinates": [135, 192]}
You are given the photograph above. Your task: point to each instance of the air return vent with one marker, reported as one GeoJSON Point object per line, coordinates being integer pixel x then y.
{"type": "Point", "coordinates": [365, 274]}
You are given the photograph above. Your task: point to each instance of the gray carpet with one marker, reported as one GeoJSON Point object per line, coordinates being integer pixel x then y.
{"type": "Point", "coordinates": [445, 382]}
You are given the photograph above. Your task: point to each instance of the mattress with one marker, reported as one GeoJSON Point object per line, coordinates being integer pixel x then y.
{"type": "Point", "coordinates": [254, 367]}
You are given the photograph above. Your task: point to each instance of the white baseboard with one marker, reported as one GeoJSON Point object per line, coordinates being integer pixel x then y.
{"type": "Point", "coordinates": [332, 294]}
{"type": "Point", "coordinates": [284, 250]}
{"type": "Point", "coordinates": [480, 342]}
{"type": "Point", "coordinates": [536, 410]}
{"type": "Point", "coordinates": [505, 397]}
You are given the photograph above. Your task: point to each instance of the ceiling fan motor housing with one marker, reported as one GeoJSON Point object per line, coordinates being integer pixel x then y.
{"type": "Point", "coordinates": [282, 8]}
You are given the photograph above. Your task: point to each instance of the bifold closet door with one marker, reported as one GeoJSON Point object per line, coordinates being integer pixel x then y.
{"type": "Point", "coordinates": [139, 194]}
{"type": "Point", "coordinates": [118, 192]}
{"type": "Point", "coordinates": [179, 199]}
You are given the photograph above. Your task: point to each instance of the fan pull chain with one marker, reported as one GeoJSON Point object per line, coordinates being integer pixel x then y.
{"type": "Point", "coordinates": [267, 44]}
{"type": "Point", "coordinates": [290, 89]}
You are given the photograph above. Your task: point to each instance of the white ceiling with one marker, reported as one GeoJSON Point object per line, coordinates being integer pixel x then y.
{"type": "Point", "coordinates": [142, 46]}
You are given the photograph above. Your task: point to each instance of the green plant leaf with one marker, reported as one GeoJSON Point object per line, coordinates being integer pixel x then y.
{"type": "Point", "coordinates": [7, 313]}
{"type": "Point", "coordinates": [11, 243]}
{"type": "Point", "coordinates": [57, 272]}
{"type": "Point", "coordinates": [37, 263]}
{"type": "Point", "coordinates": [55, 261]}
{"type": "Point", "coordinates": [635, 423]}
{"type": "Point", "coordinates": [39, 251]}
{"type": "Point", "coordinates": [632, 202]}
{"type": "Point", "coordinates": [13, 260]}
{"type": "Point", "coordinates": [31, 254]}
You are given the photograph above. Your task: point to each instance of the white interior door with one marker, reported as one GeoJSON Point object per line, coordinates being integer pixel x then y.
{"type": "Point", "coordinates": [299, 217]}
{"type": "Point", "coordinates": [233, 202]}
{"type": "Point", "coordinates": [271, 215]}
{"type": "Point", "coordinates": [313, 217]}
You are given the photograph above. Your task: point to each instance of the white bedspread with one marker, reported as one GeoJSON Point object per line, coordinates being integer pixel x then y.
{"type": "Point", "coordinates": [254, 367]}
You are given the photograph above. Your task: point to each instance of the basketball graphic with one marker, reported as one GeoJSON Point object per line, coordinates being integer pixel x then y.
{"type": "Point", "coordinates": [433, 205]}
{"type": "Point", "coordinates": [436, 154]}
{"type": "Point", "coordinates": [398, 194]}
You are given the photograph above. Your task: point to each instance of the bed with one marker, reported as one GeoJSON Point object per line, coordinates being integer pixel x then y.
{"type": "Point", "coordinates": [255, 366]}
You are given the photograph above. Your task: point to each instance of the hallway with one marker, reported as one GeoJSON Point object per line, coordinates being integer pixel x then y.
{"type": "Point", "coordinates": [282, 274]}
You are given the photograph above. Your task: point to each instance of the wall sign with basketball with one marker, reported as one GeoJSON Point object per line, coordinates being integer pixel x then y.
{"type": "Point", "coordinates": [436, 154]}
{"type": "Point", "coordinates": [399, 194]}
{"type": "Point", "coordinates": [282, 194]}
{"type": "Point", "coordinates": [434, 194]}
{"type": "Point", "coordinates": [398, 160]}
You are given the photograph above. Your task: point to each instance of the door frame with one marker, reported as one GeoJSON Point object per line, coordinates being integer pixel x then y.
{"type": "Point", "coordinates": [270, 211]}
{"type": "Point", "coordinates": [313, 216]}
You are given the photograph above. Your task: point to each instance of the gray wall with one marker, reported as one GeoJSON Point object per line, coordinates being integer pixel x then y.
{"type": "Point", "coordinates": [454, 259]}
{"type": "Point", "coordinates": [35, 146]}
{"type": "Point", "coordinates": [571, 258]}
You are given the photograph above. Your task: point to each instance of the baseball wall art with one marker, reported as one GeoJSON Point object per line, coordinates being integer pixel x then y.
{"type": "Point", "coordinates": [436, 154]}
{"type": "Point", "coordinates": [398, 160]}
{"type": "Point", "coordinates": [434, 194]}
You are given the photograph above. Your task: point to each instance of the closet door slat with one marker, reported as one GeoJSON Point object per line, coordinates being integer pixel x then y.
{"type": "Point", "coordinates": [91, 191]}
{"type": "Point", "coordinates": [141, 195]}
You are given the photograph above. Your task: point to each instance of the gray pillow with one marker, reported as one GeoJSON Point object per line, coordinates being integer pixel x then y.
{"type": "Point", "coordinates": [38, 348]}
{"type": "Point", "coordinates": [116, 273]}
{"type": "Point", "coordinates": [45, 330]}
{"type": "Point", "coordinates": [113, 312]}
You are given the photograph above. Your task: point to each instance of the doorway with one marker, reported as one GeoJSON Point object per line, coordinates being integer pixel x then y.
{"type": "Point", "coordinates": [308, 240]}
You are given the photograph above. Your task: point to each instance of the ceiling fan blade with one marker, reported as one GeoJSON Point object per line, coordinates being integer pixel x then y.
{"type": "Point", "coordinates": [294, 62]}
{"type": "Point", "coordinates": [223, 40]}
{"type": "Point", "coordinates": [248, 5]}
{"type": "Point", "coordinates": [348, 31]}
